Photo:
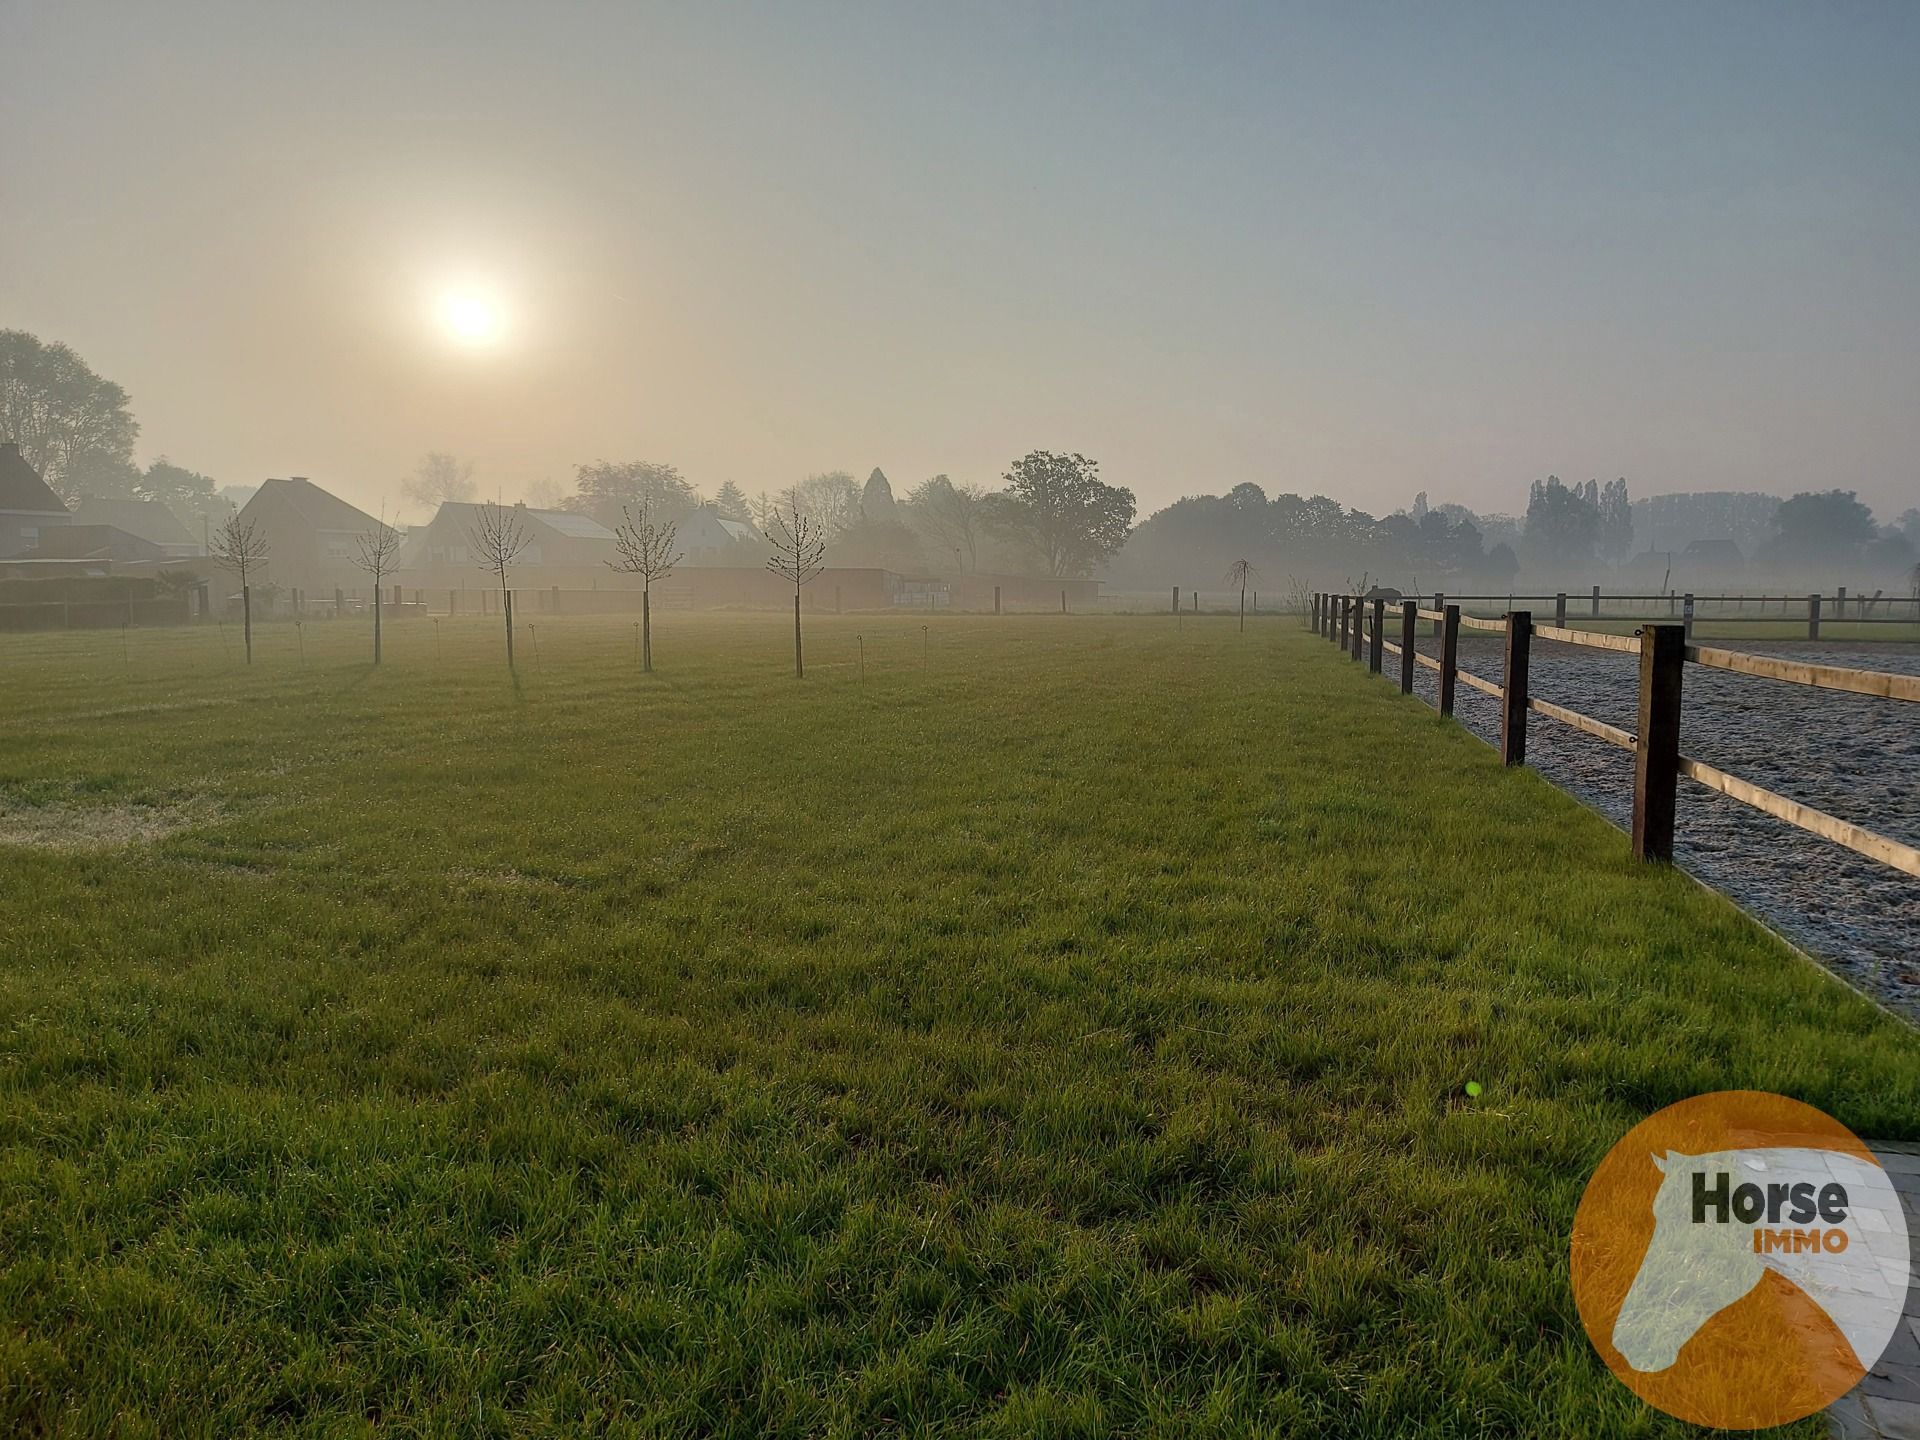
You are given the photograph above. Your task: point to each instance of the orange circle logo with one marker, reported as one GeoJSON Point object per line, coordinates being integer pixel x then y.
{"type": "Point", "coordinates": [1740, 1260]}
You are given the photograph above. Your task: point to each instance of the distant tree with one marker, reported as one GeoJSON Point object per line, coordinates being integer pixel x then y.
{"type": "Point", "coordinates": [646, 548]}
{"type": "Point", "coordinates": [1818, 528]}
{"type": "Point", "coordinates": [1058, 505]}
{"type": "Point", "coordinates": [832, 500]}
{"type": "Point", "coordinates": [1502, 564]}
{"type": "Point", "coordinates": [605, 490]}
{"type": "Point", "coordinates": [1673, 522]}
{"type": "Point", "coordinates": [545, 494]}
{"type": "Point", "coordinates": [498, 538]}
{"type": "Point", "coordinates": [377, 549]}
{"type": "Point", "coordinates": [1616, 522]}
{"type": "Point", "coordinates": [730, 503]}
{"type": "Point", "coordinates": [240, 547]}
{"type": "Point", "coordinates": [877, 504]}
{"type": "Point", "coordinates": [187, 493]}
{"type": "Point", "coordinates": [1888, 553]}
{"type": "Point", "coordinates": [1419, 511]}
{"type": "Point", "coordinates": [888, 544]}
{"type": "Point", "coordinates": [438, 478]}
{"type": "Point", "coordinates": [1563, 525]}
{"type": "Point", "coordinates": [1909, 526]}
{"type": "Point", "coordinates": [799, 551]}
{"type": "Point", "coordinates": [97, 473]}
{"type": "Point", "coordinates": [951, 517]}
{"type": "Point", "coordinates": [1240, 575]}
{"type": "Point", "coordinates": [72, 426]}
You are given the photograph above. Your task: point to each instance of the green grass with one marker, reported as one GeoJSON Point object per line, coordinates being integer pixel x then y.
{"type": "Point", "coordinates": [1063, 1031]}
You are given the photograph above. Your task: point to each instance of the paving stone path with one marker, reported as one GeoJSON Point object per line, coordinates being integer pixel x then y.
{"type": "Point", "coordinates": [1886, 1405]}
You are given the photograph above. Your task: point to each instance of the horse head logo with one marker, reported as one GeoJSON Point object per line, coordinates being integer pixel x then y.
{"type": "Point", "coordinates": [1826, 1221]}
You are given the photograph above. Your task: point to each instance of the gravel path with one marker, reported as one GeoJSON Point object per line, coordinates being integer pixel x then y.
{"type": "Point", "coordinates": [1851, 755]}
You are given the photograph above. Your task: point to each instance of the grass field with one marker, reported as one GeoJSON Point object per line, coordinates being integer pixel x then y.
{"type": "Point", "coordinates": [1061, 1031]}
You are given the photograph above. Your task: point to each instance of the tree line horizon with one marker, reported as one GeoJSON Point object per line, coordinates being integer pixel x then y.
{"type": "Point", "coordinates": [1053, 515]}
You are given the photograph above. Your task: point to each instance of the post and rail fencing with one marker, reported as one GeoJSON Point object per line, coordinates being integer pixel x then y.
{"type": "Point", "coordinates": [1663, 652]}
{"type": "Point", "coordinates": [1809, 610]}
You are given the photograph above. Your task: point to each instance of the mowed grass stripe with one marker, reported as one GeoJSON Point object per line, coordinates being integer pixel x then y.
{"type": "Point", "coordinates": [1061, 1032]}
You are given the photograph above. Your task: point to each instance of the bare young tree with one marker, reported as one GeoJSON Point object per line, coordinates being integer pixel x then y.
{"type": "Point", "coordinates": [1241, 574]}
{"type": "Point", "coordinates": [799, 549]}
{"type": "Point", "coordinates": [645, 549]}
{"type": "Point", "coordinates": [241, 548]}
{"type": "Point", "coordinates": [498, 540]}
{"type": "Point", "coordinates": [377, 549]}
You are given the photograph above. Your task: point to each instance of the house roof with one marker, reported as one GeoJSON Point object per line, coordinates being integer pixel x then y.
{"type": "Point", "coordinates": [148, 519]}
{"type": "Point", "coordinates": [94, 542]}
{"type": "Point", "coordinates": [581, 527]}
{"type": "Point", "coordinates": [466, 513]}
{"type": "Point", "coordinates": [21, 487]}
{"type": "Point", "coordinates": [319, 508]}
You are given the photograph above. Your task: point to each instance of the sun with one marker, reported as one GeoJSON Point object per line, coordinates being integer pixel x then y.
{"type": "Point", "coordinates": [471, 317]}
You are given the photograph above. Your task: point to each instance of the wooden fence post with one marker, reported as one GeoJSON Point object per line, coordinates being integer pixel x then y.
{"type": "Point", "coordinates": [1840, 602]}
{"type": "Point", "coordinates": [1596, 602]}
{"type": "Point", "coordinates": [1314, 611]}
{"type": "Point", "coordinates": [1409, 621]}
{"type": "Point", "coordinates": [1449, 657]}
{"type": "Point", "coordinates": [1813, 617]}
{"type": "Point", "coordinates": [1373, 642]}
{"type": "Point", "coordinates": [996, 599]}
{"type": "Point", "coordinates": [1176, 599]}
{"type": "Point", "coordinates": [1440, 606]}
{"type": "Point", "coordinates": [1656, 751]}
{"type": "Point", "coordinates": [1513, 707]}
{"type": "Point", "coordinates": [1340, 636]}
{"type": "Point", "coordinates": [1196, 602]}
{"type": "Point", "coordinates": [1063, 602]}
{"type": "Point", "coordinates": [1359, 629]}
{"type": "Point", "coordinates": [1686, 615]}
{"type": "Point", "coordinates": [339, 602]}
{"type": "Point", "coordinates": [1560, 611]}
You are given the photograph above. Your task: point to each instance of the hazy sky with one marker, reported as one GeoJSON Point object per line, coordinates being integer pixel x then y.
{"type": "Point", "coordinates": [1343, 248]}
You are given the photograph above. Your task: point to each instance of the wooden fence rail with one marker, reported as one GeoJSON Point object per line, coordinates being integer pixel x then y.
{"type": "Point", "coordinates": [1726, 609]}
{"type": "Point", "coordinates": [1663, 654]}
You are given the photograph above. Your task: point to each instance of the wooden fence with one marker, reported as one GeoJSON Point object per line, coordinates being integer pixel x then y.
{"type": "Point", "coordinates": [1359, 625]}
{"type": "Point", "coordinates": [1810, 610]}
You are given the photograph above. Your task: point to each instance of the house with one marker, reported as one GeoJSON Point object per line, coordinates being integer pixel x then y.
{"type": "Point", "coordinates": [312, 537]}
{"type": "Point", "coordinates": [96, 542]}
{"type": "Point", "coordinates": [706, 537]}
{"type": "Point", "coordinates": [148, 519]}
{"type": "Point", "coordinates": [28, 505]}
{"type": "Point", "coordinates": [563, 549]}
